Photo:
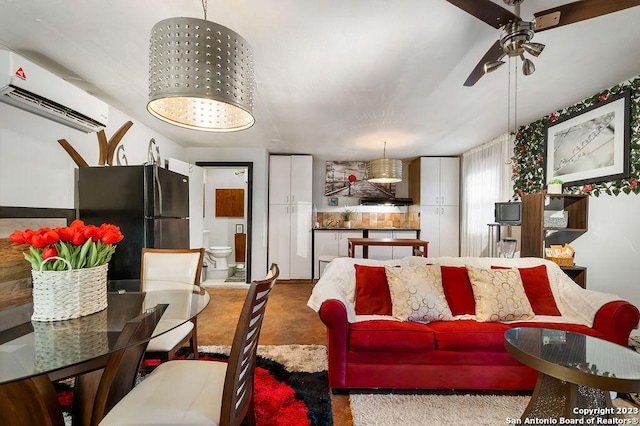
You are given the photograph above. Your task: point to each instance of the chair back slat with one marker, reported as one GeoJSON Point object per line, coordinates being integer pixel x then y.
{"type": "Point", "coordinates": [237, 400]}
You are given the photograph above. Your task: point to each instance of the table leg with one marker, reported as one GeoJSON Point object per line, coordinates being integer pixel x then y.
{"type": "Point", "coordinates": [30, 402]}
{"type": "Point", "coordinates": [554, 398]}
{"type": "Point", "coordinates": [352, 251]}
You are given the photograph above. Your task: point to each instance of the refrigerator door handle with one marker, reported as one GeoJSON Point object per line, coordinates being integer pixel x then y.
{"type": "Point", "coordinates": [158, 191]}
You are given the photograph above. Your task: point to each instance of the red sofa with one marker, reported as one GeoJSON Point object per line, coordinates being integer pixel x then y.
{"type": "Point", "coordinates": [374, 351]}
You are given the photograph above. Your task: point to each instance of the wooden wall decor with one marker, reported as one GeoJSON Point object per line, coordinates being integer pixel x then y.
{"type": "Point", "coordinates": [107, 148]}
{"type": "Point", "coordinates": [229, 202]}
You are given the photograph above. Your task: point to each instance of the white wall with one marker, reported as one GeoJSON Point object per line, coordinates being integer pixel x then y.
{"type": "Point", "coordinates": [260, 160]}
{"type": "Point", "coordinates": [611, 248]}
{"type": "Point", "coordinates": [35, 171]}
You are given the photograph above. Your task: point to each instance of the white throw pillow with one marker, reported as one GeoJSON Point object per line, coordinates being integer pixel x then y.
{"type": "Point", "coordinates": [417, 294]}
{"type": "Point", "coordinates": [499, 295]}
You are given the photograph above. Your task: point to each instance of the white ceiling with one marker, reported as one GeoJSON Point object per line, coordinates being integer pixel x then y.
{"type": "Point", "coordinates": [335, 78]}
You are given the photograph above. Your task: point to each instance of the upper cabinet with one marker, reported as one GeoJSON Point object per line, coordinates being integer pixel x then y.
{"type": "Point", "coordinates": [434, 184]}
{"type": "Point", "coordinates": [290, 179]}
{"type": "Point", "coordinates": [435, 181]}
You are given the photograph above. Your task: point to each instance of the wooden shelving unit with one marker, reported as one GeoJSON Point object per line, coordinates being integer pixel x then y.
{"type": "Point", "coordinates": [535, 236]}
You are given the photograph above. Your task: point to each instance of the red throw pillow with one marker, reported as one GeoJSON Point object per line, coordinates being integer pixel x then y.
{"type": "Point", "coordinates": [538, 289]}
{"type": "Point", "coordinates": [458, 290]}
{"type": "Point", "coordinates": [372, 291]}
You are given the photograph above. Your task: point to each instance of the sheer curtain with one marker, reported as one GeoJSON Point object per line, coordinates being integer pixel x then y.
{"type": "Point", "coordinates": [486, 179]}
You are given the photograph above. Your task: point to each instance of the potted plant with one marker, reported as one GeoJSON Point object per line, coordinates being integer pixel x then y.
{"type": "Point", "coordinates": [346, 217]}
{"type": "Point", "coordinates": [554, 186]}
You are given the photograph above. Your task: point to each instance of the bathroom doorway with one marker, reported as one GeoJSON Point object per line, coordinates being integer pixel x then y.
{"type": "Point", "coordinates": [222, 231]}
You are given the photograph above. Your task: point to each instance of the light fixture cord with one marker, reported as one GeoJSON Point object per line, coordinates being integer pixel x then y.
{"type": "Point", "coordinates": [204, 7]}
{"type": "Point", "coordinates": [509, 99]}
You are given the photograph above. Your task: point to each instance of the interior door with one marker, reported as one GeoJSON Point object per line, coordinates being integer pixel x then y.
{"type": "Point", "coordinates": [300, 253]}
{"type": "Point", "coordinates": [449, 231]}
{"type": "Point", "coordinates": [430, 228]}
{"type": "Point", "coordinates": [279, 238]}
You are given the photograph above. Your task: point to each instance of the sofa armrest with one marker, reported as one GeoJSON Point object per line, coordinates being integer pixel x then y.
{"type": "Point", "coordinates": [334, 316]}
{"type": "Point", "coordinates": [616, 320]}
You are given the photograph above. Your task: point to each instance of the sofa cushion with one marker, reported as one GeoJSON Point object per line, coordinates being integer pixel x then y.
{"type": "Point", "coordinates": [469, 335]}
{"type": "Point", "coordinates": [417, 293]}
{"type": "Point", "coordinates": [499, 295]}
{"type": "Point", "coordinates": [458, 290]}
{"type": "Point", "coordinates": [538, 289]}
{"type": "Point", "coordinates": [393, 336]}
{"type": "Point", "coordinates": [372, 291]}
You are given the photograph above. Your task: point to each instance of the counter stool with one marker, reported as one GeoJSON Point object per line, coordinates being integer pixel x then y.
{"type": "Point", "coordinates": [321, 260]}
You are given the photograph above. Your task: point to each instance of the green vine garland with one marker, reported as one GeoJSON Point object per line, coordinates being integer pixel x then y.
{"type": "Point", "coordinates": [528, 169]}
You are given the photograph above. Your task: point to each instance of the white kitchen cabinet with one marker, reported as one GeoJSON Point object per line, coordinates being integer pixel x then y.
{"type": "Point", "coordinates": [439, 181]}
{"type": "Point", "coordinates": [440, 226]}
{"type": "Point", "coordinates": [290, 179]}
{"type": "Point", "coordinates": [435, 182]}
{"type": "Point", "coordinates": [290, 211]}
{"type": "Point", "coordinates": [332, 243]}
{"type": "Point", "coordinates": [385, 253]}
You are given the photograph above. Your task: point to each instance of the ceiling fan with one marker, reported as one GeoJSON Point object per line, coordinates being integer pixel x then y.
{"type": "Point", "coordinates": [517, 34]}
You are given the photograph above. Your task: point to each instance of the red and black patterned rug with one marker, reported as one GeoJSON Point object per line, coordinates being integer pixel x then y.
{"type": "Point", "coordinates": [284, 395]}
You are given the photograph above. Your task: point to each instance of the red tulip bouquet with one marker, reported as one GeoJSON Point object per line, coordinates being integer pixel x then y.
{"type": "Point", "coordinates": [83, 246]}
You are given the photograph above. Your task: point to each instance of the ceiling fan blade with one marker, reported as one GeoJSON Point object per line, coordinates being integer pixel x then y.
{"type": "Point", "coordinates": [579, 11]}
{"type": "Point", "coordinates": [495, 53]}
{"type": "Point", "coordinates": [486, 11]}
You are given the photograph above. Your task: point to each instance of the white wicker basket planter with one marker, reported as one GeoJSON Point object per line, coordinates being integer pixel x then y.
{"type": "Point", "coordinates": [62, 295]}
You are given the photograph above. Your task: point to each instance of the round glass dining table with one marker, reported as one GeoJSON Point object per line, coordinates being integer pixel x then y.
{"type": "Point", "coordinates": [67, 348]}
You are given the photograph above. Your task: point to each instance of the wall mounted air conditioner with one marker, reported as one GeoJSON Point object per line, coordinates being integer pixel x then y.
{"type": "Point", "coordinates": [29, 86]}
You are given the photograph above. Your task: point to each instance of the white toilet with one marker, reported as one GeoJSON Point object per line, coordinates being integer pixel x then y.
{"type": "Point", "coordinates": [220, 254]}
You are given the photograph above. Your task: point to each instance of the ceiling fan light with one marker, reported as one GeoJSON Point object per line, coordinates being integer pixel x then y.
{"type": "Point", "coordinates": [534, 49]}
{"type": "Point", "coordinates": [492, 66]}
{"type": "Point", "coordinates": [527, 67]}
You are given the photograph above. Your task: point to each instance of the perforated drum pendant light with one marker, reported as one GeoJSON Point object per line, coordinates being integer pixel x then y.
{"type": "Point", "coordinates": [200, 76]}
{"type": "Point", "coordinates": [384, 170]}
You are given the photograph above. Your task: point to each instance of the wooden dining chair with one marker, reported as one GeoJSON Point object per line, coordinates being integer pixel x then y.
{"type": "Point", "coordinates": [120, 374]}
{"type": "Point", "coordinates": [165, 269]}
{"type": "Point", "coordinates": [192, 392]}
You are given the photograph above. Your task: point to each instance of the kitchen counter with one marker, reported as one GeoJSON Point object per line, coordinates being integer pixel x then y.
{"type": "Point", "coordinates": [365, 229]}
{"type": "Point", "coordinates": [332, 242]}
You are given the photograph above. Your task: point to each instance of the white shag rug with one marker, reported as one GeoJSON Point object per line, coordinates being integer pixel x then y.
{"type": "Point", "coordinates": [300, 358]}
{"type": "Point", "coordinates": [420, 410]}
{"type": "Point", "coordinates": [441, 410]}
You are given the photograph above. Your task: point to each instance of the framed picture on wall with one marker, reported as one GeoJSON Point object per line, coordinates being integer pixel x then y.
{"type": "Point", "coordinates": [333, 201]}
{"type": "Point", "coordinates": [239, 228]}
{"type": "Point", "coordinates": [591, 145]}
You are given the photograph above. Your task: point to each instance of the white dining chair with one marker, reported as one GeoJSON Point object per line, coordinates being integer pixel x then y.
{"type": "Point", "coordinates": [172, 269]}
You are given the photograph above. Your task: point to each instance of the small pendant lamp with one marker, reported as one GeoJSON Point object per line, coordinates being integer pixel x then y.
{"type": "Point", "coordinates": [200, 75]}
{"type": "Point", "coordinates": [384, 170]}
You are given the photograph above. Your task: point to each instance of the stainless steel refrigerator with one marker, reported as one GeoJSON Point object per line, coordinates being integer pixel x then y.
{"type": "Point", "coordinates": [149, 204]}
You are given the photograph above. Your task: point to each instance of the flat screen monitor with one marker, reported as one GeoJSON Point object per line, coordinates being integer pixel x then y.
{"type": "Point", "coordinates": [509, 213]}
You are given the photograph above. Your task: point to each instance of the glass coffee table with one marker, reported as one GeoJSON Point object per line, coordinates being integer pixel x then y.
{"type": "Point", "coordinates": [576, 373]}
